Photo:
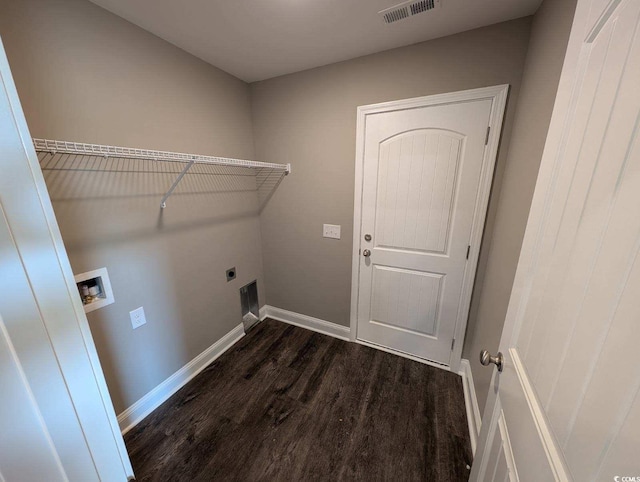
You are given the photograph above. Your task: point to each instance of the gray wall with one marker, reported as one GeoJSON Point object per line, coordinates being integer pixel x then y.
{"type": "Point", "coordinates": [309, 120]}
{"type": "Point", "coordinates": [549, 36]}
{"type": "Point", "coordinates": [84, 74]}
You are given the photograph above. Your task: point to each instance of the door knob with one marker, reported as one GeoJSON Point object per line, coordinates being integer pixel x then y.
{"type": "Point", "coordinates": [486, 359]}
{"type": "Point", "coordinates": [366, 253]}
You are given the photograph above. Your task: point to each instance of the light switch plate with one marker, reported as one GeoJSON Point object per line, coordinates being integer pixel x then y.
{"type": "Point", "coordinates": [331, 231]}
{"type": "Point", "coordinates": [137, 317]}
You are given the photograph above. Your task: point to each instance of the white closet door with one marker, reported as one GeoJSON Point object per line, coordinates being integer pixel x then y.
{"type": "Point", "coordinates": [426, 173]}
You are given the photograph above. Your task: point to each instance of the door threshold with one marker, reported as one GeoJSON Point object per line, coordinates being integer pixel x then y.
{"type": "Point", "coordinates": [424, 361]}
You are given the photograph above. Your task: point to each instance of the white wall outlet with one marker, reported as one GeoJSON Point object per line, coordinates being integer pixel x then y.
{"type": "Point", "coordinates": [137, 317]}
{"type": "Point", "coordinates": [331, 231]}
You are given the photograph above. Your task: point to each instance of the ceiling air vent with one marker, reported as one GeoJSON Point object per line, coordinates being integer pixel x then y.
{"type": "Point", "coordinates": [407, 9]}
{"type": "Point", "coordinates": [395, 15]}
{"type": "Point", "coordinates": [421, 6]}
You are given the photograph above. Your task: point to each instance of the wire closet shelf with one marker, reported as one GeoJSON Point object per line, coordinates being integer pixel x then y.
{"type": "Point", "coordinates": [84, 149]}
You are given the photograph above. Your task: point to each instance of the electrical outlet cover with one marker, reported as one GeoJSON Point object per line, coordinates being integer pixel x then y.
{"type": "Point", "coordinates": [137, 317]}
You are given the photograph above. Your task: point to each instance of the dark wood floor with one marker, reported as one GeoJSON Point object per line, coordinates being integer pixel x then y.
{"type": "Point", "coordinates": [289, 404]}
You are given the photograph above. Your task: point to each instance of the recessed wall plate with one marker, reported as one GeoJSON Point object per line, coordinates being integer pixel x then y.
{"type": "Point", "coordinates": [231, 273]}
{"type": "Point", "coordinates": [94, 288]}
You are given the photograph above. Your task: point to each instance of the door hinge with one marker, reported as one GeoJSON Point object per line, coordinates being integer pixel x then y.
{"type": "Point", "coordinates": [486, 141]}
{"type": "Point", "coordinates": [453, 342]}
{"type": "Point", "coordinates": [359, 251]}
{"type": "Point", "coordinates": [468, 251]}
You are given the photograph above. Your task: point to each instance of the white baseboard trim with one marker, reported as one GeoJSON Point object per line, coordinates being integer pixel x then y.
{"type": "Point", "coordinates": [471, 402]}
{"type": "Point", "coordinates": [152, 400]}
{"type": "Point", "coordinates": [332, 329]}
{"type": "Point", "coordinates": [304, 321]}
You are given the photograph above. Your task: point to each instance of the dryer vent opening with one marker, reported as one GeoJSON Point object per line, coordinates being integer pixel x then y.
{"type": "Point", "coordinates": [250, 306]}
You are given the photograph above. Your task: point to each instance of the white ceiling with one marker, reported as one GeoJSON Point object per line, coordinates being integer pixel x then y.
{"type": "Point", "coordinates": [260, 39]}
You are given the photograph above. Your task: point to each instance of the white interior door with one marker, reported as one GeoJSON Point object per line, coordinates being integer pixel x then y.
{"type": "Point", "coordinates": [567, 404]}
{"type": "Point", "coordinates": [56, 419]}
{"type": "Point", "coordinates": [39, 431]}
{"type": "Point", "coordinates": [22, 430]}
{"type": "Point", "coordinates": [422, 181]}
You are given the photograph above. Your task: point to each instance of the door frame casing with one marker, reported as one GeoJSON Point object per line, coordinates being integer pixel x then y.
{"type": "Point", "coordinates": [498, 95]}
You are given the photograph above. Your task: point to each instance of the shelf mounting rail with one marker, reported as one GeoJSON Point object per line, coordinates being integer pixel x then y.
{"type": "Point", "coordinates": [84, 149]}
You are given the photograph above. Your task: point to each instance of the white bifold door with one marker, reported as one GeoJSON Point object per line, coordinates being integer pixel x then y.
{"type": "Point", "coordinates": [425, 181]}
{"type": "Point", "coordinates": [566, 405]}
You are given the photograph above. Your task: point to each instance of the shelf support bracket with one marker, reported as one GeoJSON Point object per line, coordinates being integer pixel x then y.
{"type": "Point", "coordinates": [163, 203]}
